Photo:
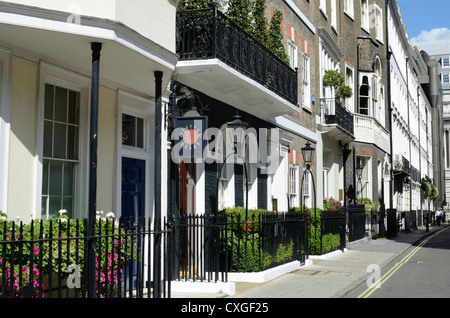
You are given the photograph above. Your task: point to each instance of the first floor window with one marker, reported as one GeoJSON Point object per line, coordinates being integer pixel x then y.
{"type": "Point", "coordinates": [292, 54]}
{"type": "Point", "coordinates": [60, 153]}
{"type": "Point", "coordinates": [306, 80]}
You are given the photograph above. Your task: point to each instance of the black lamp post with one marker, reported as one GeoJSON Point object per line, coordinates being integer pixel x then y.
{"type": "Point", "coordinates": [236, 123]}
{"type": "Point", "coordinates": [308, 156]}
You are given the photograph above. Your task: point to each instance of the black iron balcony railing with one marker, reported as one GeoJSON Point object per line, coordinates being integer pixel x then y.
{"type": "Point", "coordinates": [415, 174]}
{"type": "Point", "coordinates": [208, 34]}
{"type": "Point", "coordinates": [401, 164]}
{"type": "Point", "coordinates": [334, 113]}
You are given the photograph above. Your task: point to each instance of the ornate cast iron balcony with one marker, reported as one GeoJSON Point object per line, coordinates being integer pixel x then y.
{"type": "Point", "coordinates": [401, 164]}
{"type": "Point", "coordinates": [334, 113]}
{"type": "Point", "coordinates": [209, 34]}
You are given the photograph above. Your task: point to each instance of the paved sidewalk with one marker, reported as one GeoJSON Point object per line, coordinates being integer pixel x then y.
{"type": "Point", "coordinates": [332, 277]}
{"type": "Point", "coordinates": [336, 276]}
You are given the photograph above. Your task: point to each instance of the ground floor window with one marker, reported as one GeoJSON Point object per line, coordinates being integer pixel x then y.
{"type": "Point", "coordinates": [61, 147]}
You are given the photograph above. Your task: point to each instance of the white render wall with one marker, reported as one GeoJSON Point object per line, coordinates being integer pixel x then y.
{"type": "Point", "coordinates": [153, 19]}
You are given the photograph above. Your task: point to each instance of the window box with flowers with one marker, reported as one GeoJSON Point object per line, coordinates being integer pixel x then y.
{"type": "Point", "coordinates": [331, 204]}
{"type": "Point", "coordinates": [369, 206]}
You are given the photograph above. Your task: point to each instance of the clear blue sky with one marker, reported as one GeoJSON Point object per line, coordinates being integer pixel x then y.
{"type": "Point", "coordinates": [426, 19]}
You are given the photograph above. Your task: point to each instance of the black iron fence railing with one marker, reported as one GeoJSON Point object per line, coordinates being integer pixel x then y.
{"type": "Point", "coordinates": [207, 247]}
{"type": "Point", "coordinates": [356, 222]}
{"type": "Point", "coordinates": [332, 231]}
{"type": "Point", "coordinates": [208, 33]}
{"type": "Point", "coordinates": [48, 259]}
{"type": "Point", "coordinates": [334, 113]}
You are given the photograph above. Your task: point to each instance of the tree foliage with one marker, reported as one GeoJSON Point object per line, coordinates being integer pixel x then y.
{"type": "Point", "coordinates": [275, 41]}
{"type": "Point", "coordinates": [260, 23]}
{"type": "Point", "coordinates": [335, 80]}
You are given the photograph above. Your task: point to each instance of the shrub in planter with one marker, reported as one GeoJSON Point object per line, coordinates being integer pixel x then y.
{"type": "Point", "coordinates": [331, 204]}
{"type": "Point", "coordinates": [50, 246]}
{"type": "Point", "coordinates": [245, 243]}
{"type": "Point", "coordinates": [369, 206]}
{"type": "Point", "coordinates": [318, 244]}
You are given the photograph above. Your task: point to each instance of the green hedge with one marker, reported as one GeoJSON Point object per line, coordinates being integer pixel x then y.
{"type": "Point", "coordinates": [318, 244]}
{"type": "Point", "coordinates": [244, 241]}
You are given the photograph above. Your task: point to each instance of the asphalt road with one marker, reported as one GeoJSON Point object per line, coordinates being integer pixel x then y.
{"type": "Point", "coordinates": [423, 271]}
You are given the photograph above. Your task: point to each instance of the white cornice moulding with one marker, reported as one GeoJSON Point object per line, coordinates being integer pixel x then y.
{"type": "Point", "coordinates": [92, 27]}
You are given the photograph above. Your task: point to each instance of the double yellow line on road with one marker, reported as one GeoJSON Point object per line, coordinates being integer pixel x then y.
{"type": "Point", "coordinates": [397, 266]}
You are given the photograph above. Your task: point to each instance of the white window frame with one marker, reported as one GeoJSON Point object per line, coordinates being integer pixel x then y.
{"type": "Point", "coordinates": [306, 84]}
{"type": "Point", "coordinates": [5, 126]}
{"type": "Point", "coordinates": [445, 78]}
{"type": "Point", "coordinates": [368, 96]}
{"type": "Point", "coordinates": [130, 104]}
{"type": "Point", "coordinates": [445, 60]}
{"type": "Point", "coordinates": [325, 178]}
{"type": "Point", "coordinates": [63, 159]}
{"type": "Point", "coordinates": [350, 82]}
{"type": "Point", "coordinates": [334, 16]}
{"type": "Point", "coordinates": [349, 8]}
{"type": "Point", "coordinates": [54, 75]}
{"type": "Point", "coordinates": [365, 15]}
{"type": "Point", "coordinates": [362, 189]}
{"type": "Point", "coordinates": [292, 53]}
{"type": "Point", "coordinates": [379, 30]}
{"type": "Point", "coordinates": [323, 7]}
{"type": "Point", "coordinates": [306, 188]}
{"type": "Point", "coordinates": [327, 62]}
{"type": "Point", "coordinates": [293, 185]}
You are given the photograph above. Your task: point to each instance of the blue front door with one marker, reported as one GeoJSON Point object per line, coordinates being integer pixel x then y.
{"type": "Point", "coordinates": [133, 189]}
{"type": "Point", "coordinates": [133, 208]}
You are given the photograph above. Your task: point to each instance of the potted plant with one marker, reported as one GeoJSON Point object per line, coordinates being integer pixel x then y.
{"type": "Point", "coordinates": [336, 81]}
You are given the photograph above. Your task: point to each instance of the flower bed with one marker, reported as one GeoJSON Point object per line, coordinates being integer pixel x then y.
{"type": "Point", "coordinates": [31, 254]}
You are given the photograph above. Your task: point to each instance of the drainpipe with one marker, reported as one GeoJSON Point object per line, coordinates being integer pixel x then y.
{"type": "Point", "coordinates": [388, 57]}
{"type": "Point", "coordinates": [96, 48]}
{"type": "Point", "coordinates": [157, 190]}
{"type": "Point", "coordinates": [409, 127]}
{"type": "Point", "coordinates": [420, 147]}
